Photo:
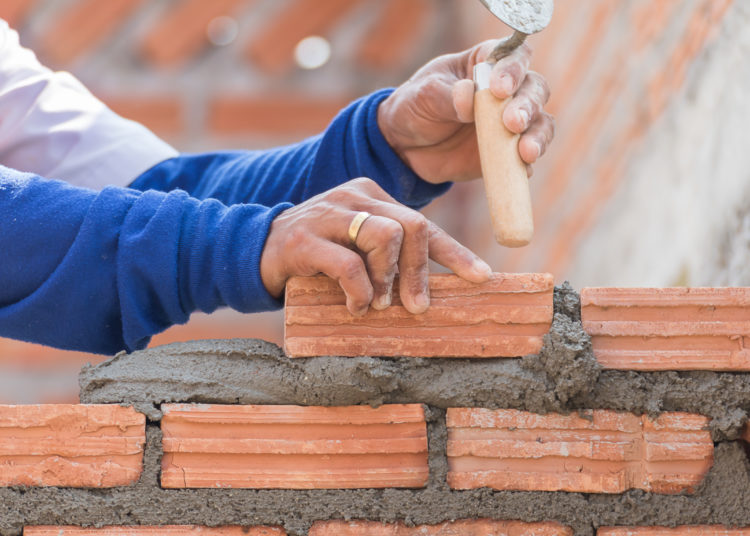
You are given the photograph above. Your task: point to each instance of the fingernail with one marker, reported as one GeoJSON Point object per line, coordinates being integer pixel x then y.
{"type": "Point", "coordinates": [506, 84]}
{"type": "Point", "coordinates": [482, 268]}
{"type": "Point", "coordinates": [383, 302]}
{"type": "Point", "coordinates": [524, 115]}
{"type": "Point", "coordinates": [537, 150]}
{"type": "Point", "coordinates": [422, 301]}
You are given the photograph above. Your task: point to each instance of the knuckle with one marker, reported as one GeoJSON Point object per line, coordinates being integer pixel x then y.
{"type": "Point", "coordinates": [416, 224]}
{"type": "Point", "coordinates": [338, 196]}
{"type": "Point", "coordinates": [364, 184]}
{"type": "Point", "coordinates": [297, 237]}
{"type": "Point", "coordinates": [351, 268]}
{"type": "Point", "coordinates": [392, 231]}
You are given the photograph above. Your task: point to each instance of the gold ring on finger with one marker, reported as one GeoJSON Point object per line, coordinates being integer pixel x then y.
{"type": "Point", "coordinates": [356, 225]}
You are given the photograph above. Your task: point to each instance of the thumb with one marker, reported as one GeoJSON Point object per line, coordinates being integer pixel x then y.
{"type": "Point", "coordinates": [463, 100]}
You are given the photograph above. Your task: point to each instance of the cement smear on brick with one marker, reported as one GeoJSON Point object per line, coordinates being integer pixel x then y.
{"type": "Point", "coordinates": [564, 376]}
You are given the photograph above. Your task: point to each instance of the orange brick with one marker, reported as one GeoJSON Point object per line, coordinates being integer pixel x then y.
{"type": "Point", "coordinates": [505, 317]}
{"type": "Point", "coordinates": [70, 445]}
{"type": "Point", "coordinates": [464, 527]}
{"type": "Point", "coordinates": [272, 49]}
{"type": "Point", "coordinates": [294, 447]}
{"type": "Point", "coordinates": [598, 452]}
{"type": "Point", "coordinates": [162, 114]}
{"type": "Point", "coordinates": [181, 32]}
{"type": "Point", "coordinates": [395, 32]}
{"type": "Point", "coordinates": [163, 530]}
{"type": "Point", "coordinates": [82, 27]}
{"type": "Point", "coordinates": [287, 115]}
{"type": "Point", "coordinates": [684, 530]}
{"type": "Point", "coordinates": [14, 12]}
{"type": "Point", "coordinates": [669, 328]}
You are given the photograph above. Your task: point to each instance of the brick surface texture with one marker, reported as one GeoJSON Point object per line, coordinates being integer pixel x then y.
{"type": "Point", "coordinates": [465, 527]}
{"type": "Point", "coordinates": [599, 451]}
{"type": "Point", "coordinates": [505, 317]}
{"type": "Point", "coordinates": [70, 445]}
{"type": "Point", "coordinates": [669, 328]}
{"type": "Point", "coordinates": [684, 530]}
{"type": "Point", "coordinates": [294, 447]}
{"type": "Point", "coordinates": [165, 530]}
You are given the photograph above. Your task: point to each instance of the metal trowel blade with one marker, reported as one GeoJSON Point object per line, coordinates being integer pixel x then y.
{"type": "Point", "coordinates": [526, 16]}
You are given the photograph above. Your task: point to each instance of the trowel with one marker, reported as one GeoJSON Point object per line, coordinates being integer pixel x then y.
{"type": "Point", "coordinates": [505, 178]}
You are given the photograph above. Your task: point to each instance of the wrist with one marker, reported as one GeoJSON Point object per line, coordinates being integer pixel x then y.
{"type": "Point", "coordinates": [386, 114]}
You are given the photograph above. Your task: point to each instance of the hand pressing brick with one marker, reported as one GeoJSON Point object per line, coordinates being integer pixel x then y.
{"type": "Point", "coordinates": [669, 328]}
{"type": "Point", "coordinates": [465, 527]}
{"type": "Point", "coordinates": [294, 447]}
{"type": "Point", "coordinates": [505, 317]}
{"type": "Point", "coordinates": [598, 451]}
{"type": "Point", "coordinates": [164, 530]}
{"type": "Point", "coordinates": [70, 445]}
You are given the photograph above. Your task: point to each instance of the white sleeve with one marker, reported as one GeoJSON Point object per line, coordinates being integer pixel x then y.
{"type": "Point", "coordinates": [51, 125]}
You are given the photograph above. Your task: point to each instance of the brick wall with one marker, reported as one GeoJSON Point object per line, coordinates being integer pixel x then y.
{"type": "Point", "coordinates": [623, 197]}
{"type": "Point", "coordinates": [583, 435]}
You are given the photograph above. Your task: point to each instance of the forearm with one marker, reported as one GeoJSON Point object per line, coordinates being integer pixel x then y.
{"type": "Point", "coordinates": [352, 146]}
{"type": "Point", "coordinates": [103, 271]}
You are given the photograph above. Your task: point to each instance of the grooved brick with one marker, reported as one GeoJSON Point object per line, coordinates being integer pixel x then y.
{"type": "Point", "coordinates": [294, 447]}
{"type": "Point", "coordinates": [162, 530]}
{"type": "Point", "coordinates": [70, 445]}
{"type": "Point", "coordinates": [395, 31]}
{"type": "Point", "coordinates": [287, 114]}
{"type": "Point", "coordinates": [181, 32]}
{"type": "Point", "coordinates": [83, 26]}
{"type": "Point", "coordinates": [272, 49]}
{"type": "Point", "coordinates": [505, 317]}
{"type": "Point", "coordinates": [162, 114]}
{"type": "Point", "coordinates": [668, 328]}
{"type": "Point", "coordinates": [462, 527]}
{"type": "Point", "coordinates": [598, 451]}
{"type": "Point", "coordinates": [14, 12]}
{"type": "Point", "coordinates": [683, 530]}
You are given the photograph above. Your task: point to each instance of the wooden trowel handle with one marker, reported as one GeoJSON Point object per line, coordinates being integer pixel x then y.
{"type": "Point", "coordinates": [505, 179]}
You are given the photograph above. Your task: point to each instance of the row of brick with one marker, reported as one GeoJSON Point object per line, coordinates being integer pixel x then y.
{"type": "Point", "coordinates": [296, 447]}
{"type": "Point", "coordinates": [631, 328]}
{"type": "Point", "coordinates": [463, 527]}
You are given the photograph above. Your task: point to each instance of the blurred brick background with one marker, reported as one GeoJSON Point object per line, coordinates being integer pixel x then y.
{"type": "Point", "coordinates": [626, 194]}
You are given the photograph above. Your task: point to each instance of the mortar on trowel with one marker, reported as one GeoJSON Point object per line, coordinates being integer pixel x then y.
{"type": "Point", "coordinates": [505, 179]}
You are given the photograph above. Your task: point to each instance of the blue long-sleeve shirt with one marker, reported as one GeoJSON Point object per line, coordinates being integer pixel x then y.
{"type": "Point", "coordinates": [104, 271]}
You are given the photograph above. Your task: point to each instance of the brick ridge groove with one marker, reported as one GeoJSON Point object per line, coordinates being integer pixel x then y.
{"type": "Point", "coordinates": [504, 317]}
{"type": "Point", "coordinates": [598, 451]}
{"type": "Point", "coordinates": [294, 447]}
{"type": "Point", "coordinates": [669, 328]}
{"type": "Point", "coordinates": [70, 445]}
{"type": "Point", "coordinates": [145, 503]}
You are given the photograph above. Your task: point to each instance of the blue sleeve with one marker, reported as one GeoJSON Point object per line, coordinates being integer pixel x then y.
{"type": "Point", "coordinates": [352, 146]}
{"type": "Point", "coordinates": [103, 271]}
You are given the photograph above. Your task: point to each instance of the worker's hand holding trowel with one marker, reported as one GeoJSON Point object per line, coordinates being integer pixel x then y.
{"type": "Point", "coordinates": [429, 120]}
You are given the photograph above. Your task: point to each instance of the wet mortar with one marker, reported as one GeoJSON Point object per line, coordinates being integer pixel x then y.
{"type": "Point", "coordinates": [563, 377]}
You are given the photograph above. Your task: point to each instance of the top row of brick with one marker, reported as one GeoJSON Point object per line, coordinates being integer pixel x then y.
{"type": "Point", "coordinates": [644, 329]}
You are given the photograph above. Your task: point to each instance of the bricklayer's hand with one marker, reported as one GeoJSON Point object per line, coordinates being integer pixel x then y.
{"type": "Point", "coordinates": [313, 238]}
{"type": "Point", "coordinates": [429, 120]}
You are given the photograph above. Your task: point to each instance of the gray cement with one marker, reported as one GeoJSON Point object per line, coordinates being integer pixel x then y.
{"type": "Point", "coordinates": [563, 377]}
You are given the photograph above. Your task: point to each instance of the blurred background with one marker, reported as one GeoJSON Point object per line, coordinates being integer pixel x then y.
{"type": "Point", "coordinates": [646, 184]}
